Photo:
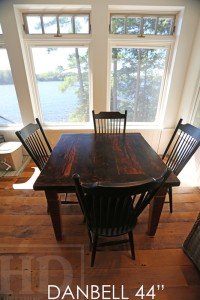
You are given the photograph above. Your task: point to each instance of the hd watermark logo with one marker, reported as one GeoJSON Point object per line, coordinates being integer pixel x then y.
{"type": "Point", "coordinates": [27, 271]}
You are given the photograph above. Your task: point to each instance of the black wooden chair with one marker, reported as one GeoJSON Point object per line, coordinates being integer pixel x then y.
{"type": "Point", "coordinates": [34, 140]}
{"type": "Point", "coordinates": [183, 144]}
{"type": "Point", "coordinates": [109, 122]}
{"type": "Point", "coordinates": [112, 209]}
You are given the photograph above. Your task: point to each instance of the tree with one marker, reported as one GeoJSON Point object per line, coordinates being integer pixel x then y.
{"type": "Point", "coordinates": [79, 79]}
{"type": "Point", "coordinates": [136, 80]}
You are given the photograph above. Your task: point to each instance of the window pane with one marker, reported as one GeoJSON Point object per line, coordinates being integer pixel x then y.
{"type": "Point", "coordinates": [81, 24]}
{"type": "Point", "coordinates": [63, 80]}
{"type": "Point", "coordinates": [165, 26]}
{"type": "Point", "coordinates": [136, 79]}
{"type": "Point", "coordinates": [133, 25]}
{"type": "Point", "coordinates": [34, 24]}
{"type": "Point", "coordinates": [66, 24]}
{"type": "Point", "coordinates": [118, 25]}
{"type": "Point", "coordinates": [149, 25]}
{"type": "Point", "coordinates": [1, 32]}
{"type": "Point", "coordinates": [50, 24]}
{"type": "Point", "coordinates": [9, 112]}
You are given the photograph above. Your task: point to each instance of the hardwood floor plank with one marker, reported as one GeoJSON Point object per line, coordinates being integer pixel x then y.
{"type": "Point", "coordinates": [26, 235]}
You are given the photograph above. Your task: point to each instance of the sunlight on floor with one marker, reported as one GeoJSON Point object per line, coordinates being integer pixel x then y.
{"type": "Point", "coordinates": [189, 175]}
{"type": "Point", "coordinates": [28, 185]}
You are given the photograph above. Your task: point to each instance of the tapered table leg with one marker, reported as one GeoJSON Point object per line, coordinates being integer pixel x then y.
{"type": "Point", "coordinates": [54, 211]}
{"type": "Point", "coordinates": [155, 209]}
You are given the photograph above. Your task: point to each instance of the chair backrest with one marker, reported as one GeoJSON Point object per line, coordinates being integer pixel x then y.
{"type": "Point", "coordinates": [109, 122]}
{"type": "Point", "coordinates": [35, 142]}
{"type": "Point", "coordinates": [183, 144]}
{"type": "Point", "coordinates": [111, 208]}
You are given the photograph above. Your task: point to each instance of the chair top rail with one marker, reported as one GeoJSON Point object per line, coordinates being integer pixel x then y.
{"type": "Point", "coordinates": [109, 122]}
{"type": "Point", "coordinates": [110, 115]}
{"type": "Point", "coordinates": [191, 130]}
{"type": "Point", "coordinates": [28, 130]}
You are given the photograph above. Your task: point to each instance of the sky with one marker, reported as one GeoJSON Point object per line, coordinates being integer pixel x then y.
{"type": "Point", "coordinates": [44, 61]}
{"type": "Point", "coordinates": [4, 62]}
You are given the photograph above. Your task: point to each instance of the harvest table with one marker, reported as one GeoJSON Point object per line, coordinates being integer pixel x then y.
{"type": "Point", "coordinates": [101, 157]}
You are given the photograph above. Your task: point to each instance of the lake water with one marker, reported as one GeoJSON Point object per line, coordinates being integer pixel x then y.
{"type": "Point", "coordinates": [56, 106]}
{"type": "Point", "coordinates": [8, 104]}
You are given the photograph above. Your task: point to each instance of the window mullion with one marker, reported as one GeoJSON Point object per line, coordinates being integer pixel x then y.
{"type": "Point", "coordinates": [58, 25]}
{"type": "Point", "coordinates": [42, 24]}
{"type": "Point", "coordinates": [141, 26]}
{"type": "Point", "coordinates": [125, 25]}
{"type": "Point", "coordinates": [73, 24]}
{"type": "Point", "coordinates": [157, 19]}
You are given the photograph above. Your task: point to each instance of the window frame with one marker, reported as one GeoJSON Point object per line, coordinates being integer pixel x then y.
{"type": "Point", "coordinates": [32, 81]}
{"type": "Point", "coordinates": [57, 15]}
{"type": "Point", "coordinates": [114, 39]}
{"type": "Point", "coordinates": [196, 104]}
{"type": "Point", "coordinates": [142, 16]}
{"type": "Point", "coordinates": [150, 40]}
{"type": "Point", "coordinates": [9, 125]}
{"type": "Point", "coordinates": [57, 40]}
{"type": "Point", "coordinates": [134, 41]}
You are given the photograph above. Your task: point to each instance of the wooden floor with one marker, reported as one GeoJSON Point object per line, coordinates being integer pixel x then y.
{"type": "Point", "coordinates": [31, 259]}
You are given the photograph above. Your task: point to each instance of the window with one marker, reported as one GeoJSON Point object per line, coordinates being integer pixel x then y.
{"type": "Point", "coordinates": [136, 80]}
{"type": "Point", "coordinates": [63, 83]}
{"type": "Point", "coordinates": [57, 47]}
{"type": "Point", "coordinates": [138, 77]}
{"type": "Point", "coordinates": [9, 112]}
{"type": "Point", "coordinates": [9, 108]}
{"type": "Point", "coordinates": [142, 24]}
{"type": "Point", "coordinates": [56, 24]}
{"type": "Point", "coordinates": [57, 43]}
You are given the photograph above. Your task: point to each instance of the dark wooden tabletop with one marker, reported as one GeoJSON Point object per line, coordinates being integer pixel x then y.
{"type": "Point", "coordinates": [114, 158]}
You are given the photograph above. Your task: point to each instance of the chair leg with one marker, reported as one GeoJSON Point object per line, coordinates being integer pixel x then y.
{"type": "Point", "coordinates": [90, 238]}
{"type": "Point", "coordinates": [130, 234]}
{"type": "Point", "coordinates": [94, 246]}
{"type": "Point", "coordinates": [170, 199]}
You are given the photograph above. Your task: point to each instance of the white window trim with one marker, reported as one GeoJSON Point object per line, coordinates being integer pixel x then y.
{"type": "Point", "coordinates": [57, 15]}
{"type": "Point", "coordinates": [112, 40]}
{"type": "Point", "coordinates": [196, 101]}
{"type": "Point", "coordinates": [32, 82]}
{"type": "Point", "coordinates": [8, 126]}
{"type": "Point", "coordinates": [128, 40]}
{"type": "Point", "coordinates": [45, 40]}
{"type": "Point", "coordinates": [143, 15]}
